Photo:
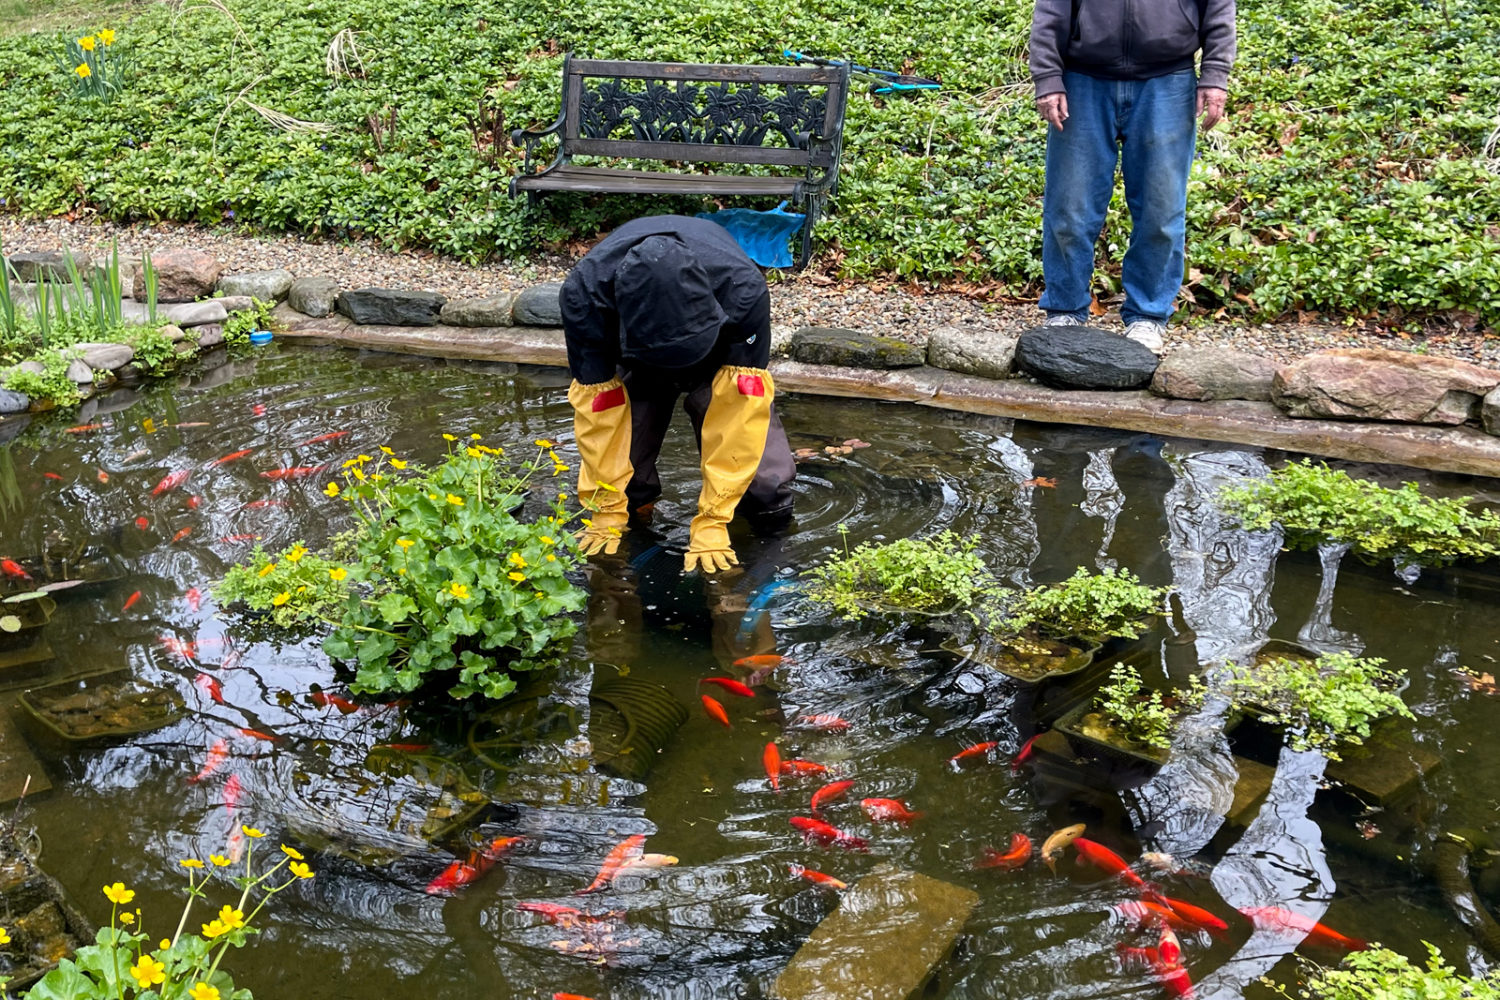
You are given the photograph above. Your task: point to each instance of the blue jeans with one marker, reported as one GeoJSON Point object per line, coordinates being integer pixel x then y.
{"type": "Point", "coordinates": [1147, 127]}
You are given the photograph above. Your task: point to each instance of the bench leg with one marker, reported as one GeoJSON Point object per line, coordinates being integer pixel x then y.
{"type": "Point", "coordinates": [803, 255]}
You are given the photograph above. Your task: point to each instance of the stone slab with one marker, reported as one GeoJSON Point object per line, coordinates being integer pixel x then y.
{"type": "Point", "coordinates": [268, 286]}
{"type": "Point", "coordinates": [1388, 769]}
{"type": "Point", "coordinates": [492, 310]}
{"type": "Point", "coordinates": [1250, 791]}
{"type": "Point", "coordinates": [314, 295]}
{"type": "Point", "coordinates": [18, 764]}
{"type": "Point", "coordinates": [520, 344]}
{"type": "Point", "coordinates": [821, 345]}
{"type": "Point", "coordinates": [890, 931]}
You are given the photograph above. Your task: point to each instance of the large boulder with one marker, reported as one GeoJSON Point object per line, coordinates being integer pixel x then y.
{"type": "Point", "coordinates": [1081, 357]}
{"type": "Point", "coordinates": [1213, 373]}
{"type": "Point", "coordinates": [181, 276]}
{"type": "Point", "coordinates": [1365, 383]}
{"type": "Point", "coordinates": [209, 335]}
{"type": "Point", "coordinates": [391, 306]}
{"type": "Point", "coordinates": [972, 350]}
{"type": "Point", "coordinates": [14, 402]}
{"type": "Point", "coordinates": [539, 305]}
{"type": "Point", "coordinates": [492, 310]}
{"type": "Point", "coordinates": [268, 286]}
{"type": "Point", "coordinates": [106, 357]}
{"type": "Point", "coordinates": [824, 345]}
{"type": "Point", "coordinates": [51, 263]}
{"type": "Point", "coordinates": [313, 296]}
{"type": "Point", "coordinates": [194, 313]}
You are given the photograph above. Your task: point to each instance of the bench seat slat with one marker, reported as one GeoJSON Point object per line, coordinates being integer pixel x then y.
{"type": "Point", "coordinates": [705, 72]}
{"type": "Point", "coordinates": [613, 181]}
{"type": "Point", "coordinates": [697, 152]}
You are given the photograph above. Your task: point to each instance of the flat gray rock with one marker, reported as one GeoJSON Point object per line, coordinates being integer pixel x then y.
{"type": "Point", "coordinates": [209, 335]}
{"type": "Point", "coordinates": [14, 402]}
{"type": "Point", "coordinates": [80, 373]}
{"type": "Point", "coordinates": [391, 307]}
{"type": "Point", "coordinates": [35, 367]}
{"type": "Point", "coordinates": [492, 310]}
{"type": "Point", "coordinates": [314, 296]}
{"type": "Point", "coordinates": [539, 305]}
{"type": "Point", "coordinates": [181, 276]}
{"type": "Point", "coordinates": [972, 350]}
{"type": "Point", "coordinates": [1489, 412]}
{"type": "Point", "coordinates": [194, 313]}
{"type": "Point", "coordinates": [1081, 357]}
{"type": "Point", "coordinates": [268, 286]}
{"type": "Point", "coordinates": [1213, 373]}
{"type": "Point", "coordinates": [236, 303]}
{"type": "Point", "coordinates": [824, 345]}
{"type": "Point", "coordinates": [53, 264]}
{"type": "Point", "coordinates": [106, 357]}
{"type": "Point", "coordinates": [1366, 383]}
{"type": "Point", "coordinates": [172, 333]}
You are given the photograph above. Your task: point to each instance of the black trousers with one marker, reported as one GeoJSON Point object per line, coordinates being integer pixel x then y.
{"type": "Point", "coordinates": [652, 400]}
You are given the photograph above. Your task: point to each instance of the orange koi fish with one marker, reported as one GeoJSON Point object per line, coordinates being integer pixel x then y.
{"type": "Point", "coordinates": [715, 710]}
{"type": "Point", "coordinates": [567, 916]}
{"type": "Point", "coordinates": [194, 598]}
{"type": "Point", "coordinates": [817, 878]}
{"type": "Point", "coordinates": [226, 459]}
{"type": "Point", "coordinates": [194, 502]}
{"type": "Point", "coordinates": [256, 734]}
{"type": "Point", "coordinates": [1017, 856]}
{"type": "Point", "coordinates": [798, 768]}
{"type": "Point", "coordinates": [453, 878]}
{"type": "Point", "coordinates": [977, 750]}
{"type": "Point", "coordinates": [1274, 918]}
{"type": "Point", "coordinates": [570, 996]}
{"type": "Point", "coordinates": [232, 793]}
{"type": "Point", "coordinates": [771, 758]}
{"type": "Point", "coordinates": [829, 793]}
{"type": "Point", "coordinates": [259, 504]}
{"type": "Point", "coordinates": [210, 687]}
{"type": "Point", "coordinates": [130, 601]}
{"type": "Point", "coordinates": [171, 482]}
{"type": "Point", "coordinates": [1168, 947]}
{"type": "Point", "coordinates": [52, 475]}
{"type": "Point", "coordinates": [824, 723]}
{"type": "Point", "coordinates": [334, 436]}
{"type": "Point", "coordinates": [888, 811]}
{"type": "Point", "coordinates": [404, 747]}
{"type": "Point", "coordinates": [623, 853]}
{"type": "Point", "coordinates": [1195, 915]}
{"type": "Point", "coordinates": [101, 475]}
{"type": "Point", "coordinates": [217, 755]}
{"type": "Point", "coordinates": [759, 661]}
{"type": "Point", "coordinates": [817, 830]}
{"type": "Point", "coordinates": [323, 699]}
{"type": "Point", "coordinates": [258, 409]}
{"type": "Point", "coordinates": [295, 472]}
{"type": "Point", "coordinates": [187, 650]}
{"type": "Point", "coordinates": [1105, 860]}
{"type": "Point", "coordinates": [1145, 913]}
{"type": "Point", "coordinates": [142, 523]}
{"type": "Point", "coordinates": [14, 570]}
{"type": "Point", "coordinates": [732, 686]}
{"type": "Point", "coordinates": [83, 428]}
{"type": "Point", "coordinates": [1023, 755]}
{"type": "Point", "coordinates": [1137, 957]}
{"type": "Point", "coordinates": [182, 534]}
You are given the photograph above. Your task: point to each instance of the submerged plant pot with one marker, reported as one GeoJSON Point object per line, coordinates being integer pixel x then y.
{"type": "Point", "coordinates": [96, 711]}
{"type": "Point", "coordinates": [1090, 735]}
{"type": "Point", "coordinates": [1255, 737]}
{"type": "Point", "coordinates": [20, 620]}
{"type": "Point", "coordinates": [65, 578]}
{"type": "Point", "coordinates": [44, 925]}
{"type": "Point", "coordinates": [1028, 658]}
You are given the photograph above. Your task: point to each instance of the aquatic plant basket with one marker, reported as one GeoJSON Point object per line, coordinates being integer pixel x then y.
{"type": "Point", "coordinates": [69, 578]}
{"type": "Point", "coordinates": [1255, 737]}
{"type": "Point", "coordinates": [129, 708]}
{"type": "Point", "coordinates": [34, 612]}
{"type": "Point", "coordinates": [1084, 743]}
{"type": "Point", "coordinates": [43, 923]}
{"type": "Point", "coordinates": [630, 722]}
{"type": "Point", "coordinates": [1017, 657]}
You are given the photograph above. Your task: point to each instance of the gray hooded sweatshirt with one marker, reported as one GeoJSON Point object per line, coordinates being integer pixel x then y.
{"type": "Point", "coordinates": [1130, 40]}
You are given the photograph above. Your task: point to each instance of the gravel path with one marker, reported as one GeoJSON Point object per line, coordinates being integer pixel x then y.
{"type": "Point", "coordinates": [805, 300]}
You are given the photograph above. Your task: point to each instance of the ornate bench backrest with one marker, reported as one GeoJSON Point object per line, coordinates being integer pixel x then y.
{"type": "Point", "coordinates": [780, 115]}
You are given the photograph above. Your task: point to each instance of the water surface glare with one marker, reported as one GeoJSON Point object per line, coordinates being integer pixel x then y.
{"type": "Point", "coordinates": [724, 921]}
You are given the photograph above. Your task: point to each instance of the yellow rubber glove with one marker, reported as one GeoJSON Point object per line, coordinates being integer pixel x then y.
{"type": "Point", "coordinates": [734, 438]}
{"type": "Point", "coordinates": [601, 425]}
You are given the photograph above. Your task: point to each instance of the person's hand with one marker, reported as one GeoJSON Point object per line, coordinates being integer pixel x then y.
{"type": "Point", "coordinates": [1211, 106]}
{"type": "Point", "coordinates": [601, 533]}
{"type": "Point", "coordinates": [709, 559]}
{"type": "Point", "coordinates": [1054, 108]}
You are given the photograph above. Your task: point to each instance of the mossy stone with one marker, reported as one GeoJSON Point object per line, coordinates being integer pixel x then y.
{"type": "Point", "coordinates": [820, 345]}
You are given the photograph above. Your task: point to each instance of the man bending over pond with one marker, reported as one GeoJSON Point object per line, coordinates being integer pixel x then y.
{"type": "Point", "coordinates": [661, 307]}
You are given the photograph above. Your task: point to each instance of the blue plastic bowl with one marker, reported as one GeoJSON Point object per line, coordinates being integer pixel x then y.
{"type": "Point", "coordinates": [260, 337]}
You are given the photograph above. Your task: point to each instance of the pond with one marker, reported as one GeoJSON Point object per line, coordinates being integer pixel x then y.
{"type": "Point", "coordinates": [382, 798]}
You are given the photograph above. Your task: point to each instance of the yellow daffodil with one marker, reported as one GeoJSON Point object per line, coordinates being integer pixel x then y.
{"type": "Point", "coordinates": [251, 831]}
{"type": "Point", "coordinates": [219, 861]}
{"type": "Point", "coordinates": [84, 73]}
{"type": "Point", "coordinates": [337, 574]}
{"type": "Point", "coordinates": [118, 894]}
{"type": "Point", "coordinates": [300, 870]}
{"type": "Point", "coordinates": [449, 437]}
{"type": "Point", "coordinates": [190, 863]}
{"type": "Point", "coordinates": [296, 554]}
{"type": "Point", "coordinates": [405, 543]}
{"type": "Point", "coordinates": [397, 464]}
{"type": "Point", "coordinates": [127, 918]}
{"type": "Point", "coordinates": [459, 591]}
{"type": "Point", "coordinates": [231, 918]}
{"type": "Point", "coordinates": [266, 570]}
{"type": "Point", "coordinates": [517, 560]}
{"type": "Point", "coordinates": [4, 936]}
{"type": "Point", "coordinates": [149, 972]}
{"type": "Point", "coordinates": [517, 577]}
{"type": "Point", "coordinates": [203, 991]}
{"type": "Point", "coordinates": [86, 44]}
{"type": "Point", "coordinates": [291, 852]}
{"type": "Point", "coordinates": [281, 598]}
{"type": "Point", "coordinates": [386, 450]}
{"type": "Point", "coordinates": [332, 490]}
{"type": "Point", "coordinates": [107, 36]}
{"type": "Point", "coordinates": [456, 501]}
{"type": "Point", "coordinates": [544, 443]}
{"type": "Point", "coordinates": [214, 929]}
{"type": "Point", "coordinates": [473, 452]}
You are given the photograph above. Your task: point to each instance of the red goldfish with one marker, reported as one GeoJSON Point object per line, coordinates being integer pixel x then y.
{"type": "Point", "coordinates": [1023, 755]}
{"type": "Point", "coordinates": [194, 598]}
{"type": "Point", "coordinates": [130, 601]}
{"type": "Point", "coordinates": [256, 734]}
{"type": "Point", "coordinates": [1144, 957]}
{"type": "Point", "coordinates": [1018, 854]}
{"type": "Point", "coordinates": [715, 710]}
{"type": "Point", "coordinates": [771, 758]}
{"type": "Point", "coordinates": [232, 793]}
{"type": "Point", "coordinates": [817, 878]}
{"type": "Point", "coordinates": [1145, 913]}
{"type": "Point", "coordinates": [334, 436]}
{"type": "Point", "coordinates": [235, 539]}
{"type": "Point", "coordinates": [888, 811]}
{"type": "Point", "coordinates": [1195, 915]}
{"type": "Point", "coordinates": [759, 661]}
{"type": "Point", "coordinates": [623, 853]}
{"type": "Point", "coordinates": [732, 686]}
{"type": "Point", "coordinates": [1168, 947]}
{"type": "Point", "coordinates": [1175, 980]}
{"type": "Point", "coordinates": [297, 472]}
{"type": "Point", "coordinates": [554, 913]}
{"type": "Point", "coordinates": [182, 534]}
{"type": "Point", "coordinates": [825, 723]}
{"type": "Point", "coordinates": [453, 878]}
{"type": "Point", "coordinates": [1105, 860]}
{"type": "Point", "coordinates": [194, 502]}
{"type": "Point", "coordinates": [142, 523]}
{"type": "Point", "coordinates": [1274, 918]}
{"type": "Point", "coordinates": [226, 459]}
{"type": "Point", "coordinates": [83, 428]}
{"type": "Point", "coordinates": [323, 699]}
{"type": "Point", "coordinates": [570, 996]}
{"type": "Point", "coordinates": [217, 755]}
{"type": "Point", "coordinates": [14, 570]}
{"type": "Point", "coordinates": [171, 482]}
{"type": "Point", "coordinates": [52, 475]}
{"type": "Point", "coordinates": [404, 747]}
{"type": "Point", "coordinates": [209, 686]}
{"type": "Point", "coordinates": [187, 650]}
{"type": "Point", "coordinates": [816, 829]}
{"type": "Point", "coordinates": [797, 768]}
{"type": "Point", "coordinates": [968, 753]}
{"type": "Point", "coordinates": [101, 475]}
{"type": "Point", "coordinates": [829, 793]}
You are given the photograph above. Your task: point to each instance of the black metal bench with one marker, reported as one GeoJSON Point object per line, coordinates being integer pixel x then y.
{"type": "Point", "coordinates": [765, 116]}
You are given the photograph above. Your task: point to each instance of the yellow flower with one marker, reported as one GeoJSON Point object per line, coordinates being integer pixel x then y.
{"type": "Point", "coordinates": [214, 929]}
{"type": "Point", "coordinates": [149, 972]}
{"type": "Point", "coordinates": [359, 474]}
{"type": "Point", "coordinates": [449, 437]}
{"type": "Point", "coordinates": [300, 870]}
{"type": "Point", "coordinates": [107, 36]}
{"type": "Point", "coordinates": [332, 490]}
{"type": "Point", "coordinates": [251, 831]}
{"type": "Point", "coordinates": [386, 450]}
{"type": "Point", "coordinates": [127, 918]}
{"type": "Point", "coordinates": [296, 554]}
{"type": "Point", "coordinates": [291, 852]}
{"type": "Point", "coordinates": [165, 944]}
{"type": "Point", "coordinates": [551, 557]}
{"type": "Point", "coordinates": [363, 459]}
{"type": "Point", "coordinates": [230, 917]}
{"type": "Point", "coordinates": [559, 469]}
{"type": "Point", "coordinates": [609, 488]}
{"type": "Point", "coordinates": [475, 437]}
{"type": "Point", "coordinates": [203, 991]}
{"type": "Point", "coordinates": [459, 591]}
{"type": "Point", "coordinates": [148, 425]}
{"type": "Point", "coordinates": [352, 461]}
{"type": "Point", "coordinates": [86, 44]}
{"type": "Point", "coordinates": [4, 936]}
{"type": "Point", "coordinates": [517, 560]}
{"type": "Point", "coordinates": [405, 543]}
{"type": "Point", "coordinates": [540, 595]}
{"type": "Point", "coordinates": [191, 863]}
{"type": "Point", "coordinates": [281, 598]}
{"type": "Point", "coordinates": [432, 496]}
{"type": "Point", "coordinates": [562, 496]}
{"type": "Point", "coordinates": [473, 452]}
{"type": "Point", "coordinates": [118, 894]}
{"type": "Point", "coordinates": [544, 443]}
{"type": "Point", "coordinates": [547, 541]}
{"type": "Point", "coordinates": [456, 501]}
{"type": "Point", "coordinates": [338, 574]}
{"type": "Point", "coordinates": [266, 570]}
{"type": "Point", "coordinates": [84, 73]}
{"type": "Point", "coordinates": [517, 577]}
{"type": "Point", "coordinates": [219, 861]}
{"type": "Point", "coordinates": [397, 464]}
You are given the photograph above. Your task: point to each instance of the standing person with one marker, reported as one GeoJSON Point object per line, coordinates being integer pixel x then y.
{"type": "Point", "coordinates": [1119, 73]}
{"type": "Point", "coordinates": [664, 306]}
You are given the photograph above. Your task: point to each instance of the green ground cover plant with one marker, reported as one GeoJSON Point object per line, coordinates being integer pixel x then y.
{"type": "Point", "coordinates": [292, 588]}
{"type": "Point", "coordinates": [1139, 716]}
{"type": "Point", "coordinates": [1313, 503]}
{"type": "Point", "coordinates": [1357, 171]}
{"type": "Point", "coordinates": [1382, 974]}
{"type": "Point", "coordinates": [1095, 606]}
{"type": "Point", "coordinates": [937, 574]}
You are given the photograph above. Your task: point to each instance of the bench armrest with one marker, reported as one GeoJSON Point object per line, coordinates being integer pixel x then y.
{"type": "Point", "coordinates": [531, 138]}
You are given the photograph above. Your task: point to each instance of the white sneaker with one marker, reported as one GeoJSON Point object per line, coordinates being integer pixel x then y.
{"type": "Point", "coordinates": [1147, 333]}
{"type": "Point", "coordinates": [1062, 319]}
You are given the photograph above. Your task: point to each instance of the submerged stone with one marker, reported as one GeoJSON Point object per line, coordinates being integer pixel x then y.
{"type": "Point", "coordinates": [1081, 357]}
{"type": "Point", "coordinates": [1388, 769]}
{"type": "Point", "coordinates": [14, 402]}
{"type": "Point", "coordinates": [889, 933]}
{"type": "Point", "coordinates": [823, 345]}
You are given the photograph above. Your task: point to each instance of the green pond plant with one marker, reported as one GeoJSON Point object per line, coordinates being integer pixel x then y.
{"type": "Point", "coordinates": [1382, 974]}
{"type": "Point", "coordinates": [939, 574]}
{"type": "Point", "coordinates": [1312, 504]}
{"type": "Point", "coordinates": [1092, 606]}
{"type": "Point", "coordinates": [295, 587]}
{"type": "Point", "coordinates": [1124, 711]}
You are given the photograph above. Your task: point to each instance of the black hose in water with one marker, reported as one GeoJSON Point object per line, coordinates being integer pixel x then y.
{"type": "Point", "coordinates": [1451, 871]}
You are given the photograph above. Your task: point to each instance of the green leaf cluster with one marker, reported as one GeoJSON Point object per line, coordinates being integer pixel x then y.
{"type": "Point", "coordinates": [294, 587]}
{"type": "Point", "coordinates": [1092, 606]}
{"type": "Point", "coordinates": [1312, 504]}
{"type": "Point", "coordinates": [100, 65]}
{"type": "Point", "coordinates": [239, 326]}
{"type": "Point", "coordinates": [1382, 974]}
{"type": "Point", "coordinates": [1139, 715]}
{"type": "Point", "coordinates": [940, 573]}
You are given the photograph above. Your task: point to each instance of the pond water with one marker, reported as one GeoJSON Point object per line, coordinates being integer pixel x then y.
{"type": "Point", "coordinates": [725, 920]}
